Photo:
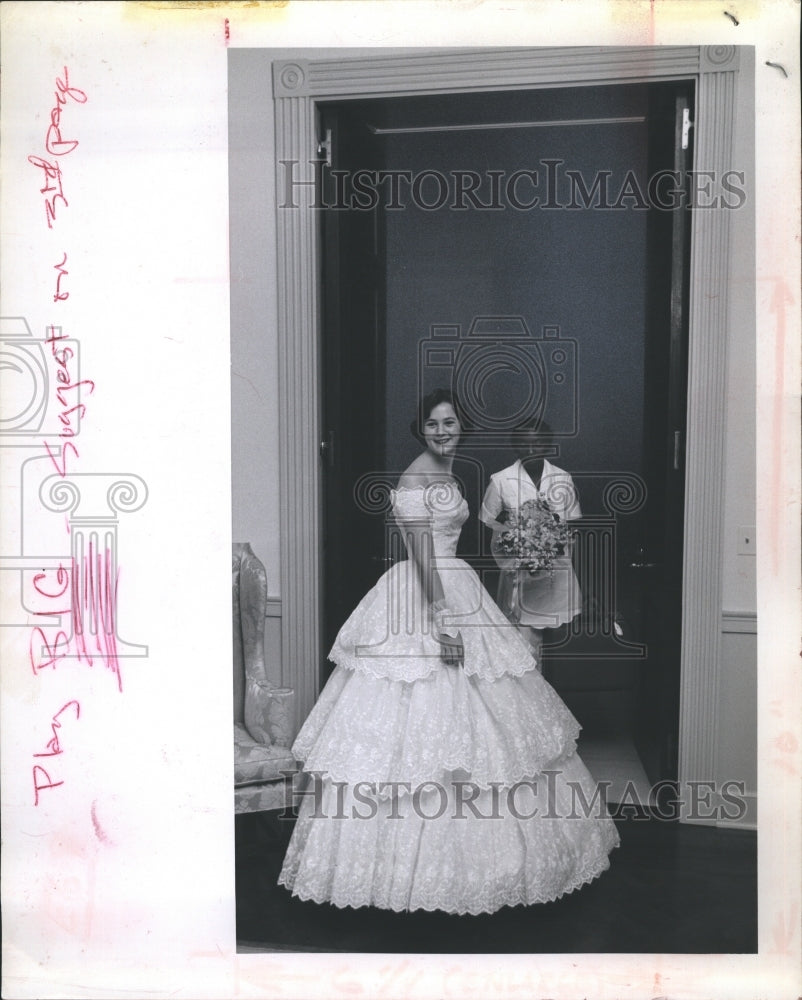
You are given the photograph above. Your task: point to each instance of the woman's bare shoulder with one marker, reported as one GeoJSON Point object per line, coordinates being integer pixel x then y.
{"type": "Point", "coordinates": [417, 475]}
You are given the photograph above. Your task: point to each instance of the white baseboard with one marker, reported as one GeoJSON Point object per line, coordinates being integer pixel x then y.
{"type": "Point", "coordinates": [746, 822]}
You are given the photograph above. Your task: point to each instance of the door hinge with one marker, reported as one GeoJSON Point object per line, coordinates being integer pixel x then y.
{"type": "Point", "coordinates": [324, 148]}
{"type": "Point", "coordinates": [687, 125]}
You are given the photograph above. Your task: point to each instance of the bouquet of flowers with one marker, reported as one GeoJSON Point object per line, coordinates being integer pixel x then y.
{"type": "Point", "coordinates": [535, 536]}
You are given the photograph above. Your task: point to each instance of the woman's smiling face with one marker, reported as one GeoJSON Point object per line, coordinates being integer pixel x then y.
{"type": "Point", "coordinates": [441, 430]}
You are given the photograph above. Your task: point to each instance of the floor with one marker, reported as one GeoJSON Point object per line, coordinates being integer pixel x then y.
{"type": "Point", "coordinates": [615, 760]}
{"type": "Point", "coordinates": [671, 888]}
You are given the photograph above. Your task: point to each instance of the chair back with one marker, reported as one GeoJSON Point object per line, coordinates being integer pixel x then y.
{"type": "Point", "coordinates": [248, 607]}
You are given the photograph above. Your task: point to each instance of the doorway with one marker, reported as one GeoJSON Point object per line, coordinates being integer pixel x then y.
{"type": "Point", "coordinates": [527, 223]}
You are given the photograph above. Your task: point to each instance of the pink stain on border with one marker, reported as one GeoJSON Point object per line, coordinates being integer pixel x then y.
{"type": "Point", "coordinates": [227, 31]}
{"type": "Point", "coordinates": [100, 833]}
{"type": "Point", "coordinates": [781, 296]}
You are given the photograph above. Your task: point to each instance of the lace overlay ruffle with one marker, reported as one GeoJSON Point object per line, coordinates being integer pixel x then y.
{"type": "Point", "coordinates": [361, 851]}
{"type": "Point", "coordinates": [398, 741]}
{"type": "Point", "coordinates": [373, 729]}
{"type": "Point", "coordinates": [389, 635]}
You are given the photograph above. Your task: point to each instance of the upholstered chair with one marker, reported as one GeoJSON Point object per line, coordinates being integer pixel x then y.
{"type": "Point", "coordinates": [263, 713]}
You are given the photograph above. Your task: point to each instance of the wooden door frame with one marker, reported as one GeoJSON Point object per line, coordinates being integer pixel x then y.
{"type": "Point", "coordinates": [298, 86]}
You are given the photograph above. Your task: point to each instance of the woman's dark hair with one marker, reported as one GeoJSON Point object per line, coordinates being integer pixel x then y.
{"type": "Point", "coordinates": [428, 403]}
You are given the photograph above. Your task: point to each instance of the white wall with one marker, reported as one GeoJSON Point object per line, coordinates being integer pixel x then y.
{"type": "Point", "coordinates": [739, 508]}
{"type": "Point", "coordinates": [736, 756]}
{"type": "Point", "coordinates": [254, 350]}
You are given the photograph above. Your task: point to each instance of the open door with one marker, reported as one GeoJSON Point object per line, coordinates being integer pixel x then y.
{"type": "Point", "coordinates": [618, 667]}
{"type": "Point", "coordinates": [594, 276]}
{"type": "Point", "coordinates": [654, 570]}
{"type": "Point", "coordinates": [353, 276]}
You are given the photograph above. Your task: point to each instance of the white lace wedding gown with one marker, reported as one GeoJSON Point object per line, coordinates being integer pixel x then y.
{"type": "Point", "coordinates": [440, 787]}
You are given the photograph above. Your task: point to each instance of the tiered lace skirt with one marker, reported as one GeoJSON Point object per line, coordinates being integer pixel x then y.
{"type": "Point", "coordinates": [435, 786]}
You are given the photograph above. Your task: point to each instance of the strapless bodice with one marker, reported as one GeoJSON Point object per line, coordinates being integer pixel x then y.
{"type": "Point", "coordinates": [440, 505]}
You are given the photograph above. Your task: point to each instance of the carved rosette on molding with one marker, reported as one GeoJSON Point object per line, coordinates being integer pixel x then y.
{"type": "Point", "coordinates": [289, 79]}
{"type": "Point", "coordinates": [716, 58]}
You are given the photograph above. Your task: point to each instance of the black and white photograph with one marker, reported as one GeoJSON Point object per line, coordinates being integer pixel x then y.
{"type": "Point", "coordinates": [516, 639]}
{"type": "Point", "coordinates": [467, 336]}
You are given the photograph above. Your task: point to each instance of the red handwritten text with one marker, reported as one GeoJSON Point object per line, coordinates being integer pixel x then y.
{"type": "Point", "coordinates": [94, 608]}
{"type": "Point", "coordinates": [41, 777]}
{"type": "Point", "coordinates": [54, 745]}
{"type": "Point", "coordinates": [62, 271]}
{"type": "Point", "coordinates": [62, 580]}
{"type": "Point", "coordinates": [57, 145]}
{"type": "Point", "coordinates": [82, 586]}
{"type": "Point", "coordinates": [92, 582]}
{"type": "Point", "coordinates": [70, 409]}
{"type": "Point", "coordinates": [48, 655]}
{"type": "Point", "coordinates": [52, 188]}
{"type": "Point", "coordinates": [54, 143]}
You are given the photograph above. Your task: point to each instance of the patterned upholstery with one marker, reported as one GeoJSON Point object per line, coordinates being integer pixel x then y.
{"type": "Point", "coordinates": [262, 712]}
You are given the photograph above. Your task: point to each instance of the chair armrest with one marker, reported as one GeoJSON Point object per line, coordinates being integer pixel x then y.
{"type": "Point", "coordinates": [269, 713]}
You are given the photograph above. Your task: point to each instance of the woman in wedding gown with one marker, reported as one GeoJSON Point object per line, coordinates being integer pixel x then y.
{"type": "Point", "coordinates": [444, 772]}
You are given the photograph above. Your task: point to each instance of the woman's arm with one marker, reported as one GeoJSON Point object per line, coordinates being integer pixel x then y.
{"type": "Point", "coordinates": [420, 547]}
{"type": "Point", "coordinates": [493, 512]}
{"type": "Point", "coordinates": [417, 534]}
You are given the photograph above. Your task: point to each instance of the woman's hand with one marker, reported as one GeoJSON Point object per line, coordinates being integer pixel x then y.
{"type": "Point", "coordinates": [445, 631]}
{"type": "Point", "coordinates": [452, 652]}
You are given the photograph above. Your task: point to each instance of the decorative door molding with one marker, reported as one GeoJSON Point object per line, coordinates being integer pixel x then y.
{"type": "Point", "coordinates": [297, 87]}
